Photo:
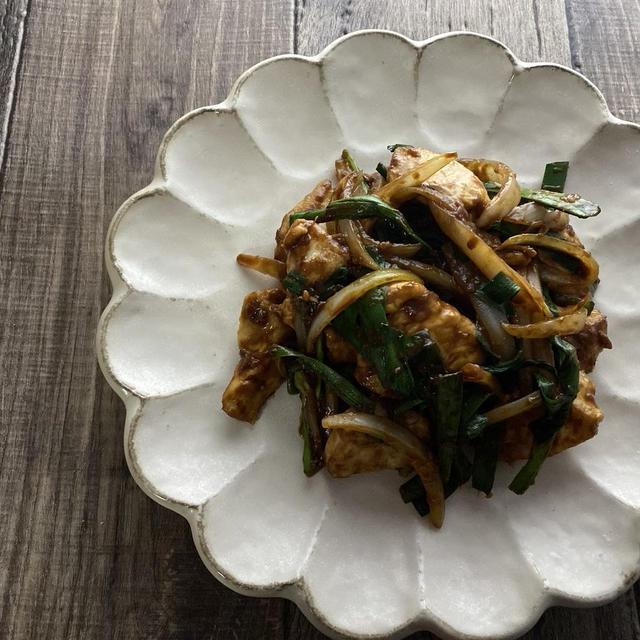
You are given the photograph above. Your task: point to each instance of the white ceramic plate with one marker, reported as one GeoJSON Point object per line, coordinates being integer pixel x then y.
{"type": "Point", "coordinates": [356, 560]}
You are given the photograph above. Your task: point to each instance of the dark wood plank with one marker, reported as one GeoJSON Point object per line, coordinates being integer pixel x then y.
{"type": "Point", "coordinates": [85, 554]}
{"type": "Point", "coordinates": [534, 29]}
{"type": "Point", "coordinates": [605, 40]}
{"type": "Point", "coordinates": [13, 14]}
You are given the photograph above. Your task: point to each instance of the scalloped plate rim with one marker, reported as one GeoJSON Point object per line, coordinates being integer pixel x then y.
{"type": "Point", "coordinates": [295, 591]}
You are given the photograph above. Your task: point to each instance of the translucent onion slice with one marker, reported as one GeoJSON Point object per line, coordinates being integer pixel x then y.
{"type": "Point", "coordinates": [450, 219]}
{"type": "Point", "coordinates": [561, 280]}
{"type": "Point", "coordinates": [472, 372]}
{"type": "Point", "coordinates": [356, 248]}
{"type": "Point", "coordinates": [589, 266]}
{"type": "Point", "coordinates": [492, 318]}
{"type": "Point", "coordinates": [400, 438]}
{"type": "Point", "coordinates": [535, 216]}
{"type": "Point", "coordinates": [416, 176]}
{"type": "Point", "coordinates": [396, 249]}
{"type": "Point", "coordinates": [515, 408]}
{"type": "Point", "coordinates": [331, 227]}
{"type": "Point", "coordinates": [560, 326]}
{"type": "Point", "coordinates": [268, 266]}
{"type": "Point", "coordinates": [430, 274]}
{"type": "Point", "coordinates": [404, 250]}
{"type": "Point", "coordinates": [507, 197]}
{"type": "Point", "coordinates": [572, 308]}
{"type": "Point", "coordinates": [339, 301]}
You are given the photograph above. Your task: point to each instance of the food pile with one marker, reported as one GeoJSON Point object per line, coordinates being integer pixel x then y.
{"type": "Point", "coordinates": [433, 317]}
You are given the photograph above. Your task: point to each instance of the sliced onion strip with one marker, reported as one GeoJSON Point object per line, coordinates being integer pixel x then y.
{"type": "Point", "coordinates": [560, 326]}
{"type": "Point", "coordinates": [572, 308]}
{"type": "Point", "coordinates": [339, 301]}
{"type": "Point", "coordinates": [430, 274]}
{"type": "Point", "coordinates": [268, 266]}
{"type": "Point", "coordinates": [472, 372]}
{"type": "Point", "coordinates": [396, 249]}
{"type": "Point", "coordinates": [507, 197]}
{"type": "Point", "coordinates": [561, 280]}
{"type": "Point", "coordinates": [331, 226]}
{"type": "Point", "coordinates": [415, 176]}
{"type": "Point", "coordinates": [400, 438]}
{"type": "Point", "coordinates": [356, 248]}
{"type": "Point", "coordinates": [491, 319]}
{"type": "Point", "coordinates": [489, 263]}
{"type": "Point", "coordinates": [515, 408]}
{"type": "Point", "coordinates": [589, 266]}
{"type": "Point", "coordinates": [404, 250]}
{"type": "Point", "coordinates": [534, 217]}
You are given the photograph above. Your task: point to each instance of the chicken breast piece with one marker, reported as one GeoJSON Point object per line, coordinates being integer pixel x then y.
{"type": "Point", "coordinates": [349, 452]}
{"type": "Point", "coordinates": [582, 424]}
{"type": "Point", "coordinates": [367, 378]}
{"type": "Point", "coordinates": [257, 375]}
{"type": "Point", "coordinates": [584, 418]}
{"type": "Point", "coordinates": [411, 307]}
{"type": "Point", "coordinates": [317, 198]}
{"type": "Point", "coordinates": [338, 349]}
{"type": "Point", "coordinates": [591, 340]}
{"type": "Point", "coordinates": [455, 179]}
{"type": "Point", "coordinates": [261, 321]}
{"type": "Point", "coordinates": [312, 252]}
{"type": "Point", "coordinates": [255, 379]}
{"type": "Point", "coordinates": [416, 423]}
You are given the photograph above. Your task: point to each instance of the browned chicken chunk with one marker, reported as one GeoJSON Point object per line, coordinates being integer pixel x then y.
{"type": "Point", "coordinates": [338, 349]}
{"type": "Point", "coordinates": [591, 340]}
{"type": "Point", "coordinates": [257, 375]}
{"type": "Point", "coordinates": [349, 452]}
{"type": "Point", "coordinates": [411, 307]}
{"type": "Point", "coordinates": [455, 179]}
{"type": "Point", "coordinates": [367, 378]}
{"type": "Point", "coordinates": [312, 252]}
{"type": "Point", "coordinates": [317, 198]}
{"type": "Point", "coordinates": [261, 323]}
{"type": "Point", "coordinates": [255, 378]}
{"type": "Point", "coordinates": [416, 423]}
{"type": "Point", "coordinates": [582, 424]}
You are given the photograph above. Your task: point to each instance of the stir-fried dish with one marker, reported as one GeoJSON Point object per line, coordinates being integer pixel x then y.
{"type": "Point", "coordinates": [433, 318]}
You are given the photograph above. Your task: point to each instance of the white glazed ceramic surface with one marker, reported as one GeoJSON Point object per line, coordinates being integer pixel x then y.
{"type": "Point", "coordinates": [357, 560]}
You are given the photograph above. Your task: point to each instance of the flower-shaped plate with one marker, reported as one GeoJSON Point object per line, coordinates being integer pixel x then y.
{"type": "Point", "coordinates": [356, 560]}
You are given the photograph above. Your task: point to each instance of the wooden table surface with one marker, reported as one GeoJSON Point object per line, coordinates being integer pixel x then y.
{"type": "Point", "coordinates": [87, 89]}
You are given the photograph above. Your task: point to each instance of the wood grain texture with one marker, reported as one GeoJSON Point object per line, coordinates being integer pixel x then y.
{"type": "Point", "coordinates": [13, 14]}
{"type": "Point", "coordinates": [84, 553]}
{"type": "Point", "coordinates": [533, 29]}
{"type": "Point", "coordinates": [605, 41]}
